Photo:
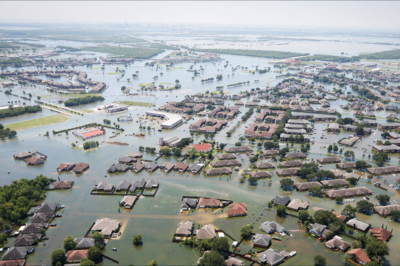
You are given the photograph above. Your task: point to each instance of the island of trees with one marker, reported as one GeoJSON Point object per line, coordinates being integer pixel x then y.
{"type": "Point", "coordinates": [83, 100]}
{"type": "Point", "coordinates": [6, 132]}
{"type": "Point", "coordinates": [15, 111]}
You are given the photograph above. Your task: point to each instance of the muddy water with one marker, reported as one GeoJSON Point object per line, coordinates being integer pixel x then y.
{"type": "Point", "coordinates": [156, 217]}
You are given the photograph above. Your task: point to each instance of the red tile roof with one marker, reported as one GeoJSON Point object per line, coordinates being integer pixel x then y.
{"type": "Point", "coordinates": [92, 133]}
{"type": "Point", "coordinates": [202, 147]}
{"type": "Point", "coordinates": [208, 202]}
{"type": "Point", "coordinates": [360, 254]}
{"type": "Point", "coordinates": [380, 233]}
{"type": "Point", "coordinates": [237, 209]}
{"type": "Point", "coordinates": [76, 255]}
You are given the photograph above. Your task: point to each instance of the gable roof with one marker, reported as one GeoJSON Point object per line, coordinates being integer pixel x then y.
{"type": "Point", "coordinates": [76, 255]}
{"type": "Point", "coordinates": [360, 254]}
{"type": "Point", "coordinates": [306, 185]}
{"type": "Point", "coordinates": [184, 228]}
{"type": "Point", "coordinates": [280, 200]}
{"type": "Point", "coordinates": [357, 224]}
{"type": "Point", "coordinates": [84, 243]}
{"type": "Point", "coordinates": [16, 253]}
{"type": "Point", "coordinates": [261, 240]}
{"type": "Point", "coordinates": [123, 185]}
{"type": "Point", "coordinates": [208, 231]}
{"type": "Point", "coordinates": [381, 234]}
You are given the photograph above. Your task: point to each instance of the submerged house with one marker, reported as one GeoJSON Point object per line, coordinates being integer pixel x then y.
{"type": "Point", "coordinates": [261, 240]}
{"type": "Point", "coordinates": [123, 186]}
{"type": "Point", "coordinates": [151, 167]}
{"type": "Point", "coordinates": [271, 227]}
{"type": "Point", "coordinates": [272, 257]}
{"type": "Point", "coordinates": [188, 203]}
{"type": "Point", "coordinates": [337, 243]}
{"type": "Point", "coordinates": [34, 161]}
{"type": "Point", "coordinates": [128, 202]}
{"type": "Point", "coordinates": [118, 167]}
{"type": "Point", "coordinates": [106, 226]}
{"type": "Point", "coordinates": [139, 184]}
{"type": "Point", "coordinates": [184, 229]}
{"type": "Point", "coordinates": [207, 232]}
{"type": "Point", "coordinates": [65, 167]}
{"type": "Point", "coordinates": [151, 184]}
{"type": "Point", "coordinates": [181, 167]}
{"type": "Point", "coordinates": [137, 167]}
{"type": "Point", "coordinates": [80, 168]}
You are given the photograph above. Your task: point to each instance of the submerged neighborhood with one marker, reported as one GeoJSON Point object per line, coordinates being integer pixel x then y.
{"type": "Point", "coordinates": [161, 145]}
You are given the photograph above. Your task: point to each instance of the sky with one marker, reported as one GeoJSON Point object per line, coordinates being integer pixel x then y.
{"type": "Point", "coordinates": [315, 14]}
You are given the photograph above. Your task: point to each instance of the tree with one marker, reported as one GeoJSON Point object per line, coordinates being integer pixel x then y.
{"type": "Point", "coordinates": [245, 231]}
{"type": "Point", "coordinates": [281, 210]}
{"type": "Point", "coordinates": [253, 159]}
{"type": "Point", "coordinates": [95, 254]}
{"type": "Point", "coordinates": [356, 244]}
{"type": "Point", "coordinates": [335, 147]}
{"type": "Point", "coordinates": [282, 152]}
{"type": "Point", "coordinates": [166, 151]}
{"type": "Point", "coordinates": [178, 152]}
{"type": "Point", "coordinates": [324, 217]}
{"type": "Point", "coordinates": [365, 206]}
{"type": "Point", "coordinates": [377, 248]}
{"type": "Point", "coordinates": [41, 230]}
{"type": "Point", "coordinates": [372, 263]}
{"type": "Point", "coordinates": [352, 180]}
{"type": "Point", "coordinates": [220, 244]}
{"type": "Point", "coordinates": [212, 258]}
{"type": "Point", "coordinates": [361, 165]}
{"type": "Point", "coordinates": [252, 179]}
{"type": "Point", "coordinates": [319, 260]}
{"type": "Point", "coordinates": [98, 239]}
{"type": "Point", "coordinates": [395, 214]}
{"type": "Point", "coordinates": [69, 243]}
{"type": "Point", "coordinates": [316, 191]}
{"type": "Point", "coordinates": [137, 240]}
{"type": "Point", "coordinates": [349, 211]}
{"type": "Point", "coordinates": [387, 142]}
{"type": "Point", "coordinates": [86, 262]}
{"type": "Point", "coordinates": [286, 182]}
{"type": "Point", "coordinates": [384, 199]}
{"type": "Point", "coordinates": [359, 130]}
{"type": "Point", "coordinates": [349, 155]}
{"type": "Point", "coordinates": [304, 215]}
{"type": "Point", "coordinates": [330, 148]}
{"type": "Point", "coordinates": [339, 199]}
{"type": "Point", "coordinates": [58, 256]}
{"type": "Point", "coordinates": [152, 263]}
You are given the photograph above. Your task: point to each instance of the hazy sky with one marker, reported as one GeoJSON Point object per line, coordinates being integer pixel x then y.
{"type": "Point", "coordinates": [320, 14]}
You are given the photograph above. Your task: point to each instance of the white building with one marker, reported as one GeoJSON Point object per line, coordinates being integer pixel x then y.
{"type": "Point", "coordinates": [170, 120]}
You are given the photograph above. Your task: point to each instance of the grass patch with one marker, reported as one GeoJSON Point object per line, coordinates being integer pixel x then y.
{"type": "Point", "coordinates": [136, 103]}
{"type": "Point", "coordinates": [112, 73]}
{"type": "Point", "coordinates": [126, 52]}
{"type": "Point", "coordinates": [145, 84]}
{"type": "Point", "coordinates": [38, 122]}
{"type": "Point", "coordinates": [79, 95]}
{"type": "Point", "coordinates": [165, 83]}
{"type": "Point", "coordinates": [87, 111]}
{"type": "Point", "coordinates": [177, 67]}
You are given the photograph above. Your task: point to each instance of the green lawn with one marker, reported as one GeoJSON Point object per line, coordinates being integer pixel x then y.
{"type": "Point", "coordinates": [79, 95]}
{"type": "Point", "coordinates": [87, 111]}
{"type": "Point", "coordinates": [136, 103]}
{"type": "Point", "coordinates": [37, 122]}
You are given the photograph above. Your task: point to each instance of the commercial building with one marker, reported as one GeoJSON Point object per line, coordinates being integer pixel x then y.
{"type": "Point", "coordinates": [89, 132]}
{"type": "Point", "coordinates": [170, 120]}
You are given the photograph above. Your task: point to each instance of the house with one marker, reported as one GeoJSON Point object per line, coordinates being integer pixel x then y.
{"type": "Point", "coordinates": [272, 257]}
{"type": "Point", "coordinates": [22, 155]}
{"type": "Point", "coordinates": [269, 153]}
{"type": "Point", "coordinates": [271, 227]}
{"type": "Point", "coordinates": [46, 208]}
{"type": "Point", "coordinates": [80, 168]}
{"type": "Point", "coordinates": [280, 200]}
{"type": "Point", "coordinates": [385, 210]}
{"type": "Point", "coordinates": [218, 171]}
{"type": "Point", "coordinates": [207, 232]}
{"type": "Point", "coordinates": [134, 155]}
{"type": "Point", "coordinates": [84, 243]}
{"type": "Point", "coordinates": [306, 185]}
{"type": "Point", "coordinates": [126, 160]}
{"type": "Point", "coordinates": [349, 142]}
{"type": "Point", "coordinates": [65, 167]}
{"type": "Point", "coordinates": [238, 149]}
{"type": "Point", "coordinates": [151, 184]}
{"type": "Point", "coordinates": [384, 170]}
{"type": "Point", "coordinates": [104, 186]}
{"type": "Point", "coordinates": [12, 263]}
{"type": "Point", "coordinates": [75, 256]}
{"type": "Point", "coordinates": [337, 243]}
{"type": "Point", "coordinates": [380, 233]}
{"type": "Point", "coordinates": [260, 174]}
{"type": "Point", "coordinates": [137, 167]}
{"type": "Point", "coordinates": [123, 186]}
{"type": "Point", "coordinates": [63, 184]}
{"type": "Point", "coordinates": [333, 127]}
{"type": "Point", "coordinates": [118, 167]}
{"type": "Point", "coordinates": [41, 217]}
{"type": "Point", "coordinates": [202, 147]}
{"type": "Point", "coordinates": [287, 171]}
{"type": "Point", "coordinates": [17, 253]}
{"type": "Point", "coordinates": [181, 167]}
{"type": "Point", "coordinates": [106, 226]}
{"type": "Point", "coordinates": [25, 240]}
{"type": "Point", "coordinates": [384, 148]}
{"type": "Point", "coordinates": [226, 156]}
{"type": "Point", "coordinates": [208, 203]}
{"type": "Point", "coordinates": [261, 240]}
{"type": "Point", "coordinates": [196, 167]}
{"type": "Point", "coordinates": [319, 229]}
{"type": "Point", "coordinates": [224, 163]}
{"type": "Point", "coordinates": [139, 184]}
{"type": "Point", "coordinates": [167, 167]}
{"type": "Point", "coordinates": [128, 202]}
{"type": "Point", "coordinates": [265, 165]}
{"type": "Point", "coordinates": [358, 256]}
{"type": "Point", "coordinates": [237, 209]}
{"type": "Point", "coordinates": [295, 155]}
{"type": "Point", "coordinates": [152, 166]}
{"type": "Point", "coordinates": [356, 224]}
{"type": "Point", "coordinates": [328, 160]}
{"type": "Point", "coordinates": [349, 192]}
{"type": "Point", "coordinates": [349, 128]}
{"type": "Point", "coordinates": [331, 183]}
{"type": "Point", "coordinates": [288, 164]}
{"type": "Point", "coordinates": [297, 205]}
{"type": "Point", "coordinates": [184, 229]}
{"type": "Point", "coordinates": [188, 203]}
{"type": "Point", "coordinates": [232, 261]}
{"type": "Point", "coordinates": [34, 161]}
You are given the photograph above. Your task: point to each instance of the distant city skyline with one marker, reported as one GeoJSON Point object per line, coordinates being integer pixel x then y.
{"type": "Point", "coordinates": [298, 14]}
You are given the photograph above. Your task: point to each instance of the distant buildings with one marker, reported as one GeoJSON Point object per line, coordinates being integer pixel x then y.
{"type": "Point", "coordinates": [171, 141]}
{"type": "Point", "coordinates": [170, 120]}
{"type": "Point", "coordinates": [89, 132]}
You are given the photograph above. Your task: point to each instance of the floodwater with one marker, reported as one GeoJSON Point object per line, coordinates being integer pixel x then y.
{"type": "Point", "coordinates": [156, 218]}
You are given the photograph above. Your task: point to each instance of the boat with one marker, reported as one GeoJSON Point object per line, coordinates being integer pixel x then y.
{"type": "Point", "coordinates": [190, 70]}
{"type": "Point", "coordinates": [291, 254]}
{"type": "Point", "coordinates": [276, 238]}
{"type": "Point", "coordinates": [112, 136]}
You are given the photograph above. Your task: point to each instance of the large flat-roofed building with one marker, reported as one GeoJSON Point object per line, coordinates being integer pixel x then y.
{"type": "Point", "coordinates": [171, 141]}
{"type": "Point", "coordinates": [89, 132]}
{"type": "Point", "coordinates": [171, 120]}
{"type": "Point", "coordinates": [386, 148]}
